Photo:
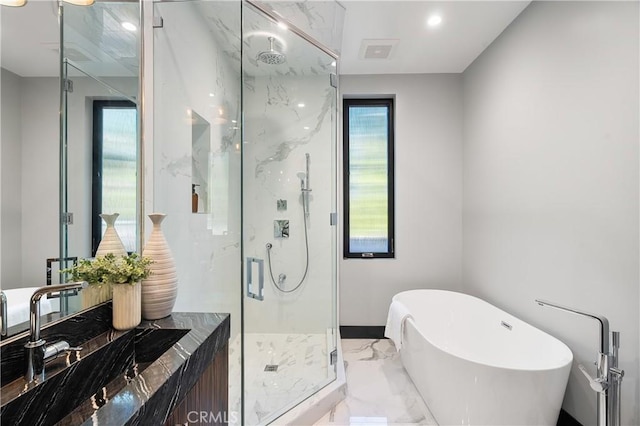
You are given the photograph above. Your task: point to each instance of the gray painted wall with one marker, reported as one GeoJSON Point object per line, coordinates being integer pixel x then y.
{"type": "Point", "coordinates": [551, 180]}
{"type": "Point", "coordinates": [550, 176]}
{"type": "Point", "coordinates": [428, 185]}
{"type": "Point", "coordinates": [40, 177]}
{"type": "Point", "coordinates": [30, 151]}
{"type": "Point", "coordinates": [11, 180]}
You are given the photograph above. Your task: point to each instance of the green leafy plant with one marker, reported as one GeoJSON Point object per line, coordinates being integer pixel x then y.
{"type": "Point", "coordinates": [109, 269]}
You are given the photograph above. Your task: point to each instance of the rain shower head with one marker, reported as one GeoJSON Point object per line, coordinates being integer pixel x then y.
{"type": "Point", "coordinates": [272, 56]}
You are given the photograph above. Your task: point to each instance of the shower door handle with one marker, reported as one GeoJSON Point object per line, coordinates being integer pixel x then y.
{"type": "Point", "coordinates": [251, 285]}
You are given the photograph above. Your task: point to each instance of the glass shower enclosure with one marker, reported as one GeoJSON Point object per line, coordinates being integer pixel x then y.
{"type": "Point", "coordinates": [288, 193]}
{"type": "Point", "coordinates": [241, 156]}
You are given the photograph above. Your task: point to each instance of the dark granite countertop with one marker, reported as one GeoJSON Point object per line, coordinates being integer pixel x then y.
{"type": "Point", "coordinates": [77, 329]}
{"type": "Point", "coordinates": [151, 396]}
{"type": "Point", "coordinates": [147, 383]}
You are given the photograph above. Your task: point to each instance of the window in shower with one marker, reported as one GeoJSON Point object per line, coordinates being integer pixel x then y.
{"type": "Point", "coordinates": [368, 178]}
{"type": "Point", "coordinates": [114, 186]}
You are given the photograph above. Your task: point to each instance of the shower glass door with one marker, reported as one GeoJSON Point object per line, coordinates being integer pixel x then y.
{"type": "Point", "coordinates": [289, 193]}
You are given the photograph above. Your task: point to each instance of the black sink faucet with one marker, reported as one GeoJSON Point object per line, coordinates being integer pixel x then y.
{"type": "Point", "coordinates": [36, 353]}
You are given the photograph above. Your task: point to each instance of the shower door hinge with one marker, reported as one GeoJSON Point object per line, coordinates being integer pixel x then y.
{"type": "Point", "coordinates": [68, 85]}
{"type": "Point", "coordinates": [158, 22]}
{"type": "Point", "coordinates": [333, 357]}
{"type": "Point", "coordinates": [67, 218]}
{"type": "Point", "coordinates": [333, 219]}
{"type": "Point", "coordinates": [333, 80]}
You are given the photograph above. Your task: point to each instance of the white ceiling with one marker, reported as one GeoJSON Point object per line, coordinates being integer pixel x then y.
{"type": "Point", "coordinates": [467, 28]}
{"type": "Point", "coordinates": [94, 38]}
{"type": "Point", "coordinates": [30, 39]}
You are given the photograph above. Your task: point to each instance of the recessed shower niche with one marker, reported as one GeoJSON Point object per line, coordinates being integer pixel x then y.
{"type": "Point", "coordinates": [201, 164]}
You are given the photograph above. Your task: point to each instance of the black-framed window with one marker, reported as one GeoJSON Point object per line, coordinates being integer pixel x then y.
{"type": "Point", "coordinates": [368, 126]}
{"type": "Point", "coordinates": [114, 180]}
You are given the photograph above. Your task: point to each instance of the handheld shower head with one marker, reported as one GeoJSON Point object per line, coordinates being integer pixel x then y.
{"type": "Point", "coordinates": [303, 180]}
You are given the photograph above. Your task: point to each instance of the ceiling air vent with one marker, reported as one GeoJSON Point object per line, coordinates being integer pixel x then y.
{"type": "Point", "coordinates": [377, 49]}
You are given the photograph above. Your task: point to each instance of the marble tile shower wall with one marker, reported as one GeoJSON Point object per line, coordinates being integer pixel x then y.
{"type": "Point", "coordinates": [323, 20]}
{"type": "Point", "coordinates": [196, 70]}
{"type": "Point", "coordinates": [278, 134]}
{"type": "Point", "coordinates": [197, 55]}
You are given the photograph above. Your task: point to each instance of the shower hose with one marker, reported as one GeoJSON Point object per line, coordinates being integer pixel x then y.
{"type": "Point", "coordinates": [306, 266]}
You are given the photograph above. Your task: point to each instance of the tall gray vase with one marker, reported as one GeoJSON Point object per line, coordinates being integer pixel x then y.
{"type": "Point", "coordinates": [160, 290]}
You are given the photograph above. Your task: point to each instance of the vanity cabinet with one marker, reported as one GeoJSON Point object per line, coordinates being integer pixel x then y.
{"type": "Point", "coordinates": [208, 400]}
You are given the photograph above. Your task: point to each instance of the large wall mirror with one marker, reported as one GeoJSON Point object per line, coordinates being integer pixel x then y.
{"type": "Point", "coordinates": [69, 142]}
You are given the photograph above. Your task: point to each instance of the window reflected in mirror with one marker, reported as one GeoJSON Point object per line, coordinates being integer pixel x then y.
{"type": "Point", "coordinates": [114, 170]}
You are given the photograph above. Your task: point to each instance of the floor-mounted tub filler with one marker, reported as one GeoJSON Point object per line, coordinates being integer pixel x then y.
{"type": "Point", "coordinates": [476, 364]}
{"type": "Point", "coordinates": [608, 381]}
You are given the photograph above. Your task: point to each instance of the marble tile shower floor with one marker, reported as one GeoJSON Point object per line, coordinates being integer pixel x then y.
{"type": "Point", "coordinates": [379, 391]}
{"type": "Point", "coordinates": [302, 361]}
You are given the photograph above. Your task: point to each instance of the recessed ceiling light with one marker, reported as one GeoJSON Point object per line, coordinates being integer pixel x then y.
{"type": "Point", "coordinates": [333, 64]}
{"type": "Point", "coordinates": [212, 94]}
{"type": "Point", "coordinates": [434, 20]}
{"type": "Point", "coordinates": [129, 26]}
{"type": "Point", "coordinates": [306, 127]}
{"type": "Point", "coordinates": [300, 105]}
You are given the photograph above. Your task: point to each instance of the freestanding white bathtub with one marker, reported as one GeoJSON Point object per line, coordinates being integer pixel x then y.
{"type": "Point", "coordinates": [475, 364]}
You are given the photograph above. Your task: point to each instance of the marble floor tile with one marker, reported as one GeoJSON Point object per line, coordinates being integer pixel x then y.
{"type": "Point", "coordinates": [302, 361]}
{"type": "Point", "coordinates": [379, 391]}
